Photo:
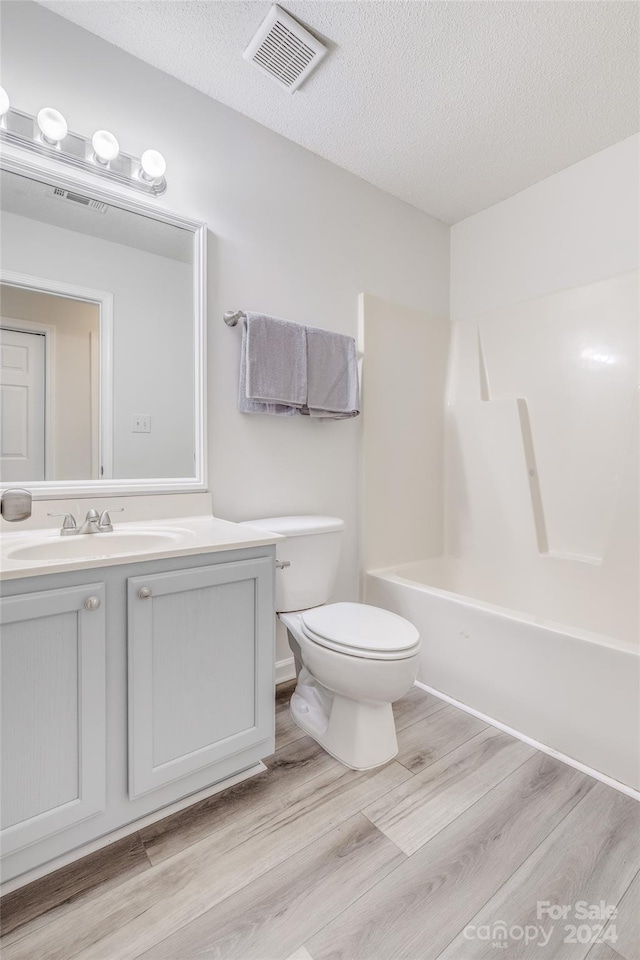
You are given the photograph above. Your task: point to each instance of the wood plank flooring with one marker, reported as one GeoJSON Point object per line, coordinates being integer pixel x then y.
{"type": "Point", "coordinates": [423, 859]}
{"type": "Point", "coordinates": [108, 867]}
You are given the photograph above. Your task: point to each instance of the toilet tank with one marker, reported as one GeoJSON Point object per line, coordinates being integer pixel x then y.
{"type": "Point", "coordinates": [312, 551]}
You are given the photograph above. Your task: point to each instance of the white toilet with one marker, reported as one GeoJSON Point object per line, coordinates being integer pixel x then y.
{"type": "Point", "coordinates": [352, 660]}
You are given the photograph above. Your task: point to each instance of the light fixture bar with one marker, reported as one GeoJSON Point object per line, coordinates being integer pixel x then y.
{"type": "Point", "coordinates": [22, 130]}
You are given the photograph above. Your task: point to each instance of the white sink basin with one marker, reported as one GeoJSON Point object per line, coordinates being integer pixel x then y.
{"type": "Point", "coordinates": [87, 546]}
{"type": "Point", "coordinates": [37, 552]}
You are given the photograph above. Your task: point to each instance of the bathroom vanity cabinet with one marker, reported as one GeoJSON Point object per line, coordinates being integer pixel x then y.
{"type": "Point", "coordinates": [53, 711]}
{"type": "Point", "coordinates": [126, 688]}
{"type": "Point", "coordinates": [198, 689]}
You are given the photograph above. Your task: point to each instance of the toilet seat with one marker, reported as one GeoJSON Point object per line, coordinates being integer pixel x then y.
{"type": "Point", "coordinates": [360, 630]}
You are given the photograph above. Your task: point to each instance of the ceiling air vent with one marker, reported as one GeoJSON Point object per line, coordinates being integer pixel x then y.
{"type": "Point", "coordinates": [88, 202]}
{"type": "Point", "coordinates": [284, 50]}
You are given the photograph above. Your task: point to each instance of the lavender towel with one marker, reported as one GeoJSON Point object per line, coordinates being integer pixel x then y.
{"type": "Point", "coordinates": [288, 369]}
{"type": "Point", "coordinates": [273, 366]}
{"type": "Point", "coordinates": [332, 375]}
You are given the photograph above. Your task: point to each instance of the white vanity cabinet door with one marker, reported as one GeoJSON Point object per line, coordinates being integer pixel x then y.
{"type": "Point", "coordinates": [53, 712]}
{"type": "Point", "coordinates": [201, 665]}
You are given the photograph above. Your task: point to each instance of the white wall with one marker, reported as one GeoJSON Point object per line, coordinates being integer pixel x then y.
{"type": "Point", "coordinates": [575, 227]}
{"type": "Point", "coordinates": [152, 335]}
{"type": "Point", "coordinates": [542, 430]}
{"type": "Point", "coordinates": [290, 234]}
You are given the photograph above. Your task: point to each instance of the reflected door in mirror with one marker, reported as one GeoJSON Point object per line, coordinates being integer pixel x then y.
{"type": "Point", "coordinates": [50, 386]}
{"type": "Point", "coordinates": [22, 384]}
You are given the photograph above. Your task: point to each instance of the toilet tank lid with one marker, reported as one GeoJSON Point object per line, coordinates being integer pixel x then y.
{"type": "Point", "coordinates": [297, 526]}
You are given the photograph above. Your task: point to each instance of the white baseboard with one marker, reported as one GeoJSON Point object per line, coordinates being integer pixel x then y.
{"type": "Point", "coordinates": [109, 838]}
{"type": "Point", "coordinates": [582, 767]}
{"type": "Point", "coordinates": [285, 670]}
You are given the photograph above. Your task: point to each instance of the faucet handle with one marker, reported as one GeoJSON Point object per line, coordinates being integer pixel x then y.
{"type": "Point", "coordinates": [69, 522]}
{"type": "Point", "coordinates": [105, 518]}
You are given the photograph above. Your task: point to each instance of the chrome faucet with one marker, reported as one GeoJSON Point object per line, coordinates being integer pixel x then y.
{"type": "Point", "coordinates": [91, 523]}
{"type": "Point", "coordinates": [94, 522]}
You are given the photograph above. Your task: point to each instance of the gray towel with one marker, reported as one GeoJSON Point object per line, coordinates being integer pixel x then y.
{"type": "Point", "coordinates": [273, 366]}
{"type": "Point", "coordinates": [332, 375]}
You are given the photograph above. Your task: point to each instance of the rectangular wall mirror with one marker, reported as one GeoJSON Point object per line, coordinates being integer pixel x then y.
{"type": "Point", "coordinates": [102, 309]}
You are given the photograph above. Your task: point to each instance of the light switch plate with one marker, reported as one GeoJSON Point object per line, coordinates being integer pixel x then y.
{"type": "Point", "coordinates": [141, 423]}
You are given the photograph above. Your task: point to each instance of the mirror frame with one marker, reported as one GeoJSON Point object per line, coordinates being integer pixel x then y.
{"type": "Point", "coordinates": [13, 161]}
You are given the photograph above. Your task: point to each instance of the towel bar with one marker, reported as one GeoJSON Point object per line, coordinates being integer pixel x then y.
{"type": "Point", "coordinates": [231, 317]}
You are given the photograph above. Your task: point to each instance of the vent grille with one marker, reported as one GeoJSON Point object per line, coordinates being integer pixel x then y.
{"type": "Point", "coordinates": [283, 50]}
{"type": "Point", "coordinates": [88, 202]}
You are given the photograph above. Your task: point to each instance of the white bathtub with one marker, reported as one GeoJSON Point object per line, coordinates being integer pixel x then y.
{"type": "Point", "coordinates": [574, 691]}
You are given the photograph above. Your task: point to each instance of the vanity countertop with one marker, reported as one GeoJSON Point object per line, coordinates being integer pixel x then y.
{"type": "Point", "coordinates": [35, 552]}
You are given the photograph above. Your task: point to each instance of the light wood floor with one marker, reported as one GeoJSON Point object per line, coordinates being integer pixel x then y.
{"type": "Point", "coordinates": [457, 838]}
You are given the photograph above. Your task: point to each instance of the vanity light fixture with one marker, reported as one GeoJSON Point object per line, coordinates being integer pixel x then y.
{"type": "Point", "coordinates": [52, 125]}
{"type": "Point", "coordinates": [105, 146]}
{"type": "Point", "coordinates": [48, 135]}
{"type": "Point", "coordinates": [152, 166]}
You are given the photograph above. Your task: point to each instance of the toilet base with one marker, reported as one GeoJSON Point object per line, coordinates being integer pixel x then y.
{"type": "Point", "coordinates": [362, 735]}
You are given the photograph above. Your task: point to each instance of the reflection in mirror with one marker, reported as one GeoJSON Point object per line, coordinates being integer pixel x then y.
{"type": "Point", "coordinates": [49, 378]}
{"type": "Point", "coordinates": [96, 339]}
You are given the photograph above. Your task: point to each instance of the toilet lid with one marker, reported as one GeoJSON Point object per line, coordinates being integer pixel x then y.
{"type": "Point", "coordinates": [361, 630]}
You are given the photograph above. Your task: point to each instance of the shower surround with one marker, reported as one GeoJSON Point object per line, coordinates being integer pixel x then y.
{"type": "Point", "coordinates": [521, 571]}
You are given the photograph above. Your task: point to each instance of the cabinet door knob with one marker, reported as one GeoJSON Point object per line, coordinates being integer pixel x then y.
{"type": "Point", "coordinates": [92, 603]}
{"type": "Point", "coordinates": [144, 593]}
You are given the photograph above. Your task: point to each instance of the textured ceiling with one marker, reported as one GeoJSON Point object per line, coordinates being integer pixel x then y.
{"type": "Point", "coordinates": [450, 106]}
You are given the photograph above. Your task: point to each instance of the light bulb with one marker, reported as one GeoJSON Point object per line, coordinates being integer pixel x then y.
{"type": "Point", "coordinates": [153, 165]}
{"type": "Point", "coordinates": [105, 146]}
{"type": "Point", "coordinates": [53, 125]}
{"type": "Point", "coordinates": [5, 103]}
